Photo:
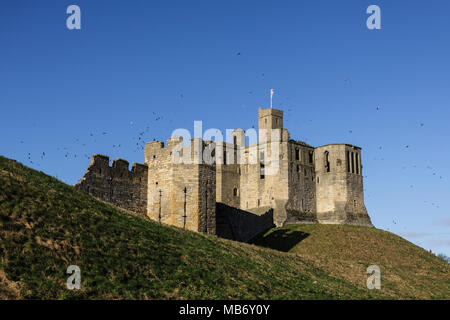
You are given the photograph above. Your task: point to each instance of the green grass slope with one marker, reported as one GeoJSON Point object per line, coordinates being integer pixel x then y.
{"type": "Point", "coordinates": [344, 251]}
{"type": "Point", "coordinates": [46, 225]}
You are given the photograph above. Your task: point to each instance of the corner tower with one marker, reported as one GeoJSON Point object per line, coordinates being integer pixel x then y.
{"type": "Point", "coordinates": [339, 185]}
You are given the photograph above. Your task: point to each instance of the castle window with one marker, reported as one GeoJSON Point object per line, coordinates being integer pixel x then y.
{"type": "Point", "coordinates": [235, 192]}
{"type": "Point", "coordinates": [310, 157]}
{"type": "Point", "coordinates": [298, 168]}
{"type": "Point", "coordinates": [100, 171]}
{"type": "Point", "coordinates": [353, 162]}
{"type": "Point", "coordinates": [317, 180]}
{"type": "Point", "coordinates": [235, 140]}
{"type": "Point", "coordinates": [156, 183]}
{"type": "Point", "coordinates": [154, 156]}
{"type": "Point", "coordinates": [297, 154]}
{"type": "Point", "coordinates": [357, 163]}
{"type": "Point", "coordinates": [327, 161]}
{"type": "Point", "coordinates": [184, 209]}
{"type": "Point", "coordinates": [259, 202]}
{"type": "Point", "coordinates": [261, 164]}
{"type": "Point", "coordinates": [224, 157]}
{"type": "Point", "coordinates": [348, 161]}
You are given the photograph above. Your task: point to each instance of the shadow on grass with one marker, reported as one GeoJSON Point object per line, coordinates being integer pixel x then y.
{"type": "Point", "coordinates": [281, 240]}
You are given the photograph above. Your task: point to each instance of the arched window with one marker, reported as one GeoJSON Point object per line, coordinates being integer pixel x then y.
{"type": "Point", "coordinates": [235, 192]}
{"type": "Point", "coordinates": [327, 161]}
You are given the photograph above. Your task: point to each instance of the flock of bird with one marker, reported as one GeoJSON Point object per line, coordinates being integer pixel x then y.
{"type": "Point", "coordinates": [142, 137]}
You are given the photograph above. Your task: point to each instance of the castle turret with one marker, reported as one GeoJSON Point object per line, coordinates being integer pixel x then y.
{"type": "Point", "coordinates": [339, 185]}
{"type": "Point", "coordinates": [268, 119]}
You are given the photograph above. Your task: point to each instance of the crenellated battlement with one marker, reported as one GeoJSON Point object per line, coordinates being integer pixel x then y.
{"type": "Point", "coordinates": [116, 183]}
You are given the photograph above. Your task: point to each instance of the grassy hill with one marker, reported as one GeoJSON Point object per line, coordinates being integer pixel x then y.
{"type": "Point", "coordinates": [46, 225]}
{"type": "Point", "coordinates": [407, 271]}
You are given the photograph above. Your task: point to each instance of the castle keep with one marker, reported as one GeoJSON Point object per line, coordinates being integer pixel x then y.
{"type": "Point", "coordinates": [240, 190]}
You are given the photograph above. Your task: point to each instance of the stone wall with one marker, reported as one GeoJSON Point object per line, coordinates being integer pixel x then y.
{"type": "Point", "coordinates": [301, 207]}
{"type": "Point", "coordinates": [240, 225]}
{"type": "Point", "coordinates": [116, 184]}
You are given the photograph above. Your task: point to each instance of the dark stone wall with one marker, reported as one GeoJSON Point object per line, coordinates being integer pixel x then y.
{"type": "Point", "coordinates": [240, 225]}
{"type": "Point", "coordinates": [116, 184]}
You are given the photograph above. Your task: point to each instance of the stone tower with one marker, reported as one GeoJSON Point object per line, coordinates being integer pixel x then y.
{"type": "Point", "coordinates": [181, 194]}
{"type": "Point", "coordinates": [339, 185]}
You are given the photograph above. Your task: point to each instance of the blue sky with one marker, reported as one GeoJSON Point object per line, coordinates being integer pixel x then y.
{"type": "Point", "coordinates": [73, 93]}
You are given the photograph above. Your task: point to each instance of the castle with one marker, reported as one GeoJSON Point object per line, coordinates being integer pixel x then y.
{"type": "Point", "coordinates": [244, 190]}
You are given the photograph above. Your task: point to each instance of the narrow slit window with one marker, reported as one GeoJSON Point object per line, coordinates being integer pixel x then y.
{"type": "Point", "coordinates": [357, 162]}
{"type": "Point", "coordinates": [261, 163]}
{"type": "Point", "coordinates": [348, 161]}
{"type": "Point", "coordinates": [353, 162]}
{"type": "Point", "coordinates": [327, 161]}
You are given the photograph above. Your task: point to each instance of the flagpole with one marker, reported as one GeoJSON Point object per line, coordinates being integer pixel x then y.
{"type": "Point", "coordinates": [271, 94]}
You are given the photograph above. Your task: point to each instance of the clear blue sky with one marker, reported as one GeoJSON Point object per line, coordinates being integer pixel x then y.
{"type": "Point", "coordinates": [73, 93]}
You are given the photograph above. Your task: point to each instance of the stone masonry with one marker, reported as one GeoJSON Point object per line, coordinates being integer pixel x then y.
{"type": "Point", "coordinates": [280, 180]}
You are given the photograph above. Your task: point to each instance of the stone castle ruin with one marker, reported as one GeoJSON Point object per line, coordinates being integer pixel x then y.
{"type": "Point", "coordinates": [244, 190]}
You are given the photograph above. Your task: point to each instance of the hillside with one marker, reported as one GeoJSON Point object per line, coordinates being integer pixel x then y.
{"type": "Point", "coordinates": [46, 225]}
{"type": "Point", "coordinates": [344, 251]}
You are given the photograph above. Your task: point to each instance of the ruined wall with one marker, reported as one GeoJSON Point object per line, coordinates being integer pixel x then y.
{"type": "Point", "coordinates": [339, 187]}
{"type": "Point", "coordinates": [116, 184]}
